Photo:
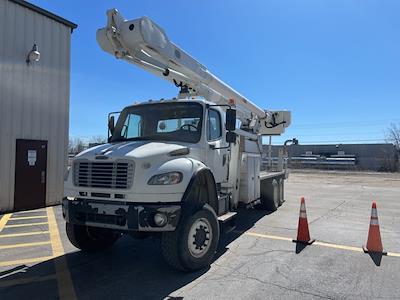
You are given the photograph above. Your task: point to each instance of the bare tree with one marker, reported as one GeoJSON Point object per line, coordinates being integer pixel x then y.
{"type": "Point", "coordinates": [393, 135]}
{"type": "Point", "coordinates": [70, 145]}
{"type": "Point", "coordinates": [76, 145]}
{"type": "Point", "coordinates": [97, 139]}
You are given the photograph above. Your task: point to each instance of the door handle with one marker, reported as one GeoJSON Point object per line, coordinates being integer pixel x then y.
{"type": "Point", "coordinates": [43, 176]}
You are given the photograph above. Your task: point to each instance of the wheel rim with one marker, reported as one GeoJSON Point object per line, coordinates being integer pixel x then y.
{"type": "Point", "coordinates": [200, 237]}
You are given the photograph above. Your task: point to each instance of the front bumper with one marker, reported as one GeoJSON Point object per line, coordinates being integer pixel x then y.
{"type": "Point", "coordinates": [123, 216]}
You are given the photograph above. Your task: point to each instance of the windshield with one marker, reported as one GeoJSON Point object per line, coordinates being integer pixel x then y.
{"type": "Point", "coordinates": [179, 122]}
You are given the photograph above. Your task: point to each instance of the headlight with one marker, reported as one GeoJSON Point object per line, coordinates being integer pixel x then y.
{"type": "Point", "coordinates": [166, 178]}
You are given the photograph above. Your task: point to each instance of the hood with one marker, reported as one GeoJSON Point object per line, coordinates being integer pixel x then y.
{"type": "Point", "coordinates": [134, 149]}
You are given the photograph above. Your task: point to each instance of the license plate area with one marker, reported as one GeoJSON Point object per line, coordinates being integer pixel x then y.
{"type": "Point", "coordinates": [114, 215]}
{"type": "Point", "coordinates": [108, 209]}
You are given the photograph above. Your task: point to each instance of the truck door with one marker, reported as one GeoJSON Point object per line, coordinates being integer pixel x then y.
{"type": "Point", "coordinates": [217, 159]}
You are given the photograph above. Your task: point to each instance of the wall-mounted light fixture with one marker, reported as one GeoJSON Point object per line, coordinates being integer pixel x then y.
{"type": "Point", "coordinates": [33, 55]}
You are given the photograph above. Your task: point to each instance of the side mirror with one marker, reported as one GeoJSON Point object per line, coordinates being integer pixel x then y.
{"type": "Point", "coordinates": [230, 137]}
{"type": "Point", "coordinates": [230, 119]}
{"type": "Point", "coordinates": [111, 125]}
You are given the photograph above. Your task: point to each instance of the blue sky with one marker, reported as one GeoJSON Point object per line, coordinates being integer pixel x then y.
{"type": "Point", "coordinates": [334, 64]}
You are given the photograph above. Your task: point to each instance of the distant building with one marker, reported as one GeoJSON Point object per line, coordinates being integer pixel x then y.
{"type": "Point", "coordinates": [374, 157]}
{"type": "Point", "coordinates": [34, 105]}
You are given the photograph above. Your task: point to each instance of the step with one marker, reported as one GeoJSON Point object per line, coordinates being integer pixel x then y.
{"type": "Point", "coordinates": [226, 217]}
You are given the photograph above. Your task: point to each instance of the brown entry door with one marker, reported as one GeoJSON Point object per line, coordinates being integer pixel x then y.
{"type": "Point", "coordinates": [30, 174]}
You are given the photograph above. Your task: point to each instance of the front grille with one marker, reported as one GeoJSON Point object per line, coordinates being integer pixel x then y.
{"type": "Point", "coordinates": [113, 175]}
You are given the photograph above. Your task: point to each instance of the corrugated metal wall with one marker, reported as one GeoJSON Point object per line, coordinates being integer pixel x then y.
{"type": "Point", "coordinates": [34, 99]}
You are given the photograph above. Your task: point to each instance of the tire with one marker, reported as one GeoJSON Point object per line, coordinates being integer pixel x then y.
{"type": "Point", "coordinates": [270, 197]}
{"type": "Point", "coordinates": [193, 244]}
{"type": "Point", "coordinates": [281, 191]}
{"type": "Point", "coordinates": [268, 204]}
{"type": "Point", "coordinates": [90, 238]}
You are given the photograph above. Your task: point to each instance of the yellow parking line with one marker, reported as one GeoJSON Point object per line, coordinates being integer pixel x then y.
{"type": "Point", "coordinates": [22, 245]}
{"type": "Point", "coordinates": [28, 218]}
{"type": "Point", "coordinates": [323, 244]}
{"type": "Point", "coordinates": [4, 220]}
{"type": "Point", "coordinates": [24, 261]}
{"type": "Point", "coordinates": [22, 234]}
{"type": "Point", "coordinates": [336, 246]}
{"type": "Point", "coordinates": [272, 237]}
{"type": "Point", "coordinates": [65, 285]}
{"type": "Point", "coordinates": [25, 225]}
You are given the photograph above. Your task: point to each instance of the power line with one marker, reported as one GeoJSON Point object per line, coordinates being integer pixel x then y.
{"type": "Point", "coordinates": [341, 141]}
{"type": "Point", "coordinates": [336, 134]}
{"type": "Point", "coordinates": [358, 123]}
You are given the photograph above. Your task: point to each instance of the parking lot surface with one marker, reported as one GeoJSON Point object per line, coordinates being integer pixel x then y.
{"type": "Point", "coordinates": [258, 260]}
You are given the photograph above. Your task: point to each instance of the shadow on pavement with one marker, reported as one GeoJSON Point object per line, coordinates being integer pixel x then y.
{"type": "Point", "coordinates": [300, 247]}
{"type": "Point", "coordinates": [376, 257]}
{"type": "Point", "coordinates": [131, 269]}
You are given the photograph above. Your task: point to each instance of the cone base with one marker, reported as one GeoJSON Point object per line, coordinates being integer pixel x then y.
{"type": "Point", "coordinates": [377, 252]}
{"type": "Point", "coordinates": [304, 242]}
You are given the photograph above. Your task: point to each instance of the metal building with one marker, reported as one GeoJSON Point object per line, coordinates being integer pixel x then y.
{"type": "Point", "coordinates": [34, 105]}
{"type": "Point", "coordinates": [374, 157]}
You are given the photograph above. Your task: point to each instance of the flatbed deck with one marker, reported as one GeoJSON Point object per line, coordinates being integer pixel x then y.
{"type": "Point", "coordinates": [269, 174]}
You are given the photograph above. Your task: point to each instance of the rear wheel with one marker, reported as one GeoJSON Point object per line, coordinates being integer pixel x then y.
{"type": "Point", "coordinates": [90, 238]}
{"type": "Point", "coordinates": [270, 196]}
{"type": "Point", "coordinates": [193, 244]}
{"type": "Point", "coordinates": [268, 204]}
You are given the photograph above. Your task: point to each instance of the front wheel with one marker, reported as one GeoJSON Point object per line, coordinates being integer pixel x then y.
{"type": "Point", "coordinates": [90, 238]}
{"type": "Point", "coordinates": [193, 244]}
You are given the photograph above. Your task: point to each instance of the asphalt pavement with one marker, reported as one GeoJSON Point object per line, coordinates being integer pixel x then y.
{"type": "Point", "coordinates": [258, 260]}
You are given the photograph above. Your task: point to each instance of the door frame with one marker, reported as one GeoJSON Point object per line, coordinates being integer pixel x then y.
{"type": "Point", "coordinates": [18, 204]}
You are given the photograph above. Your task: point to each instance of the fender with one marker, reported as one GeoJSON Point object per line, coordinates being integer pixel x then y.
{"type": "Point", "coordinates": [201, 190]}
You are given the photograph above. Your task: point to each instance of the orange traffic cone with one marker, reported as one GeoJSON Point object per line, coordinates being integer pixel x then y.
{"type": "Point", "coordinates": [303, 234]}
{"type": "Point", "coordinates": [374, 242]}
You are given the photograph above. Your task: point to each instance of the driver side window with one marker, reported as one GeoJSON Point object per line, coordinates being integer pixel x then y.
{"type": "Point", "coordinates": [214, 129]}
{"type": "Point", "coordinates": [132, 127]}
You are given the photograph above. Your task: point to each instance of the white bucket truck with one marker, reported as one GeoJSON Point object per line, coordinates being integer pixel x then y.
{"type": "Point", "coordinates": [178, 168]}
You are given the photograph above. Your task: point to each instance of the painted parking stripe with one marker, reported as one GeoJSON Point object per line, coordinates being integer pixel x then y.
{"type": "Point", "coordinates": [267, 236]}
{"type": "Point", "coordinates": [23, 234]}
{"type": "Point", "coordinates": [23, 245]}
{"type": "Point", "coordinates": [24, 261]}
{"type": "Point", "coordinates": [28, 218]}
{"type": "Point", "coordinates": [4, 220]}
{"type": "Point", "coordinates": [65, 285]}
{"type": "Point", "coordinates": [25, 225]}
{"type": "Point", "coordinates": [322, 244]}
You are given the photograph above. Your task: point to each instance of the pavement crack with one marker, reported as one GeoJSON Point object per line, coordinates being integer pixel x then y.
{"type": "Point", "coordinates": [286, 288]}
{"type": "Point", "coordinates": [328, 212]}
{"type": "Point", "coordinates": [234, 271]}
{"type": "Point", "coordinates": [263, 252]}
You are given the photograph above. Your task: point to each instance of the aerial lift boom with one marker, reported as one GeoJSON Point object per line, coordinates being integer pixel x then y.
{"type": "Point", "coordinates": [145, 44]}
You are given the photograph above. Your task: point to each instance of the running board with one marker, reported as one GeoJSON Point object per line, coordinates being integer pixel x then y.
{"type": "Point", "coordinates": [226, 217]}
{"type": "Point", "coordinates": [227, 222]}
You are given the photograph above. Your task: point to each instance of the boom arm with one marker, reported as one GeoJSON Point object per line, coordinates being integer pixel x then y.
{"type": "Point", "coordinates": [145, 44]}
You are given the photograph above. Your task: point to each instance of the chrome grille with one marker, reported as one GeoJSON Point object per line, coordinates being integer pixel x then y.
{"type": "Point", "coordinates": [113, 175]}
